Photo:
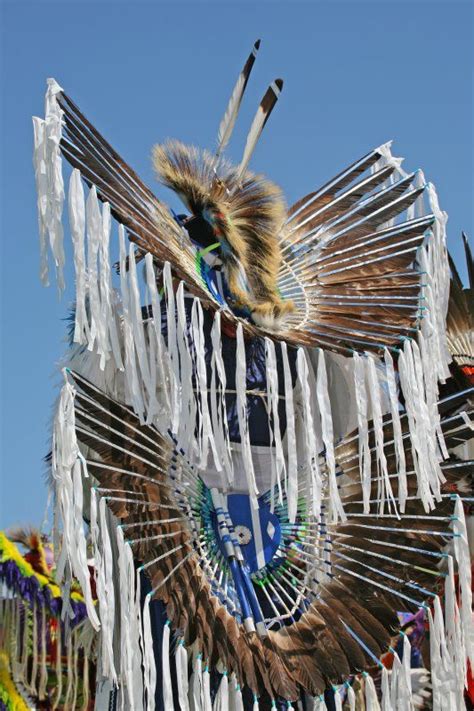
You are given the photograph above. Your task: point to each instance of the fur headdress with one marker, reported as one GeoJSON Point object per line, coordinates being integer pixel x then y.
{"type": "Point", "coordinates": [246, 216]}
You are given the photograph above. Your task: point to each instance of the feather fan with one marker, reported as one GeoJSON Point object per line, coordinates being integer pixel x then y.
{"type": "Point", "coordinates": [352, 613]}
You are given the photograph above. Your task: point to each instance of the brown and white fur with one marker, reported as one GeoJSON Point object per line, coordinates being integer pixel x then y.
{"type": "Point", "coordinates": [247, 218]}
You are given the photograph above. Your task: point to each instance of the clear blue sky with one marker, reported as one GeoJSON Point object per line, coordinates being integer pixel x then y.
{"type": "Point", "coordinates": [356, 74]}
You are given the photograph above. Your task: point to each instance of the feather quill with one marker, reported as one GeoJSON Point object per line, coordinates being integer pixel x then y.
{"type": "Point", "coordinates": [469, 260]}
{"type": "Point", "coordinates": [228, 122]}
{"type": "Point", "coordinates": [264, 110]}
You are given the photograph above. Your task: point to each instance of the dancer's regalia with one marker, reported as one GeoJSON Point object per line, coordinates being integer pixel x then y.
{"type": "Point", "coordinates": [47, 645]}
{"type": "Point", "coordinates": [252, 428]}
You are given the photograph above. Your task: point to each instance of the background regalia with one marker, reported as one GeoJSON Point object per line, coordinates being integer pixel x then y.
{"type": "Point", "coordinates": [47, 644]}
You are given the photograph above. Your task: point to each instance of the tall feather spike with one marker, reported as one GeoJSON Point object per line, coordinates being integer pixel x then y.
{"type": "Point", "coordinates": [264, 110]}
{"type": "Point", "coordinates": [227, 124]}
{"type": "Point", "coordinates": [469, 260]}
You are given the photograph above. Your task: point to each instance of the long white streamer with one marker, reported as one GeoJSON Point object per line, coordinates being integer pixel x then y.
{"type": "Point", "coordinates": [413, 403]}
{"type": "Point", "coordinates": [162, 363]}
{"type": "Point", "coordinates": [166, 671]}
{"type": "Point", "coordinates": [397, 431]}
{"type": "Point", "coordinates": [105, 284]}
{"type": "Point", "coordinates": [134, 390]}
{"type": "Point", "coordinates": [292, 468]}
{"type": "Point", "coordinates": [206, 689]}
{"type": "Point", "coordinates": [78, 472]}
{"type": "Point", "coordinates": [49, 183]}
{"type": "Point", "coordinates": [195, 686]}
{"type": "Point", "coordinates": [319, 704]}
{"type": "Point", "coordinates": [136, 628]}
{"type": "Point", "coordinates": [208, 440]}
{"type": "Point", "coordinates": [199, 379]}
{"type": "Point", "coordinates": [438, 276]}
{"type": "Point", "coordinates": [99, 579]}
{"type": "Point", "coordinates": [181, 658]}
{"type": "Point", "coordinates": [238, 699]}
{"type": "Point", "coordinates": [428, 355]}
{"type": "Point", "coordinates": [94, 237]}
{"type": "Point", "coordinates": [242, 412]}
{"type": "Point", "coordinates": [64, 454]}
{"type": "Point", "coordinates": [442, 667]}
{"type": "Point", "coordinates": [107, 296]}
{"type": "Point", "coordinates": [139, 341]}
{"type": "Point", "coordinates": [232, 693]}
{"type": "Point", "coordinates": [337, 698]}
{"type": "Point", "coordinates": [148, 657]}
{"type": "Point", "coordinates": [126, 595]}
{"type": "Point", "coordinates": [39, 165]}
{"type": "Point", "coordinates": [371, 700]}
{"type": "Point", "coordinates": [363, 428]}
{"type": "Point", "coordinates": [108, 618]}
{"type": "Point", "coordinates": [324, 404]}
{"type": "Point", "coordinates": [218, 403]}
{"type": "Point", "coordinates": [278, 458]}
{"type": "Point", "coordinates": [187, 421]}
{"type": "Point", "coordinates": [429, 419]}
{"type": "Point", "coordinates": [385, 487]}
{"type": "Point", "coordinates": [435, 663]}
{"type": "Point", "coordinates": [351, 697]}
{"type": "Point", "coordinates": [395, 680]}
{"type": "Point", "coordinates": [311, 446]}
{"type": "Point", "coordinates": [405, 700]}
{"type": "Point", "coordinates": [386, 704]}
{"type": "Point", "coordinates": [221, 702]}
{"type": "Point", "coordinates": [172, 346]}
{"type": "Point", "coordinates": [77, 221]}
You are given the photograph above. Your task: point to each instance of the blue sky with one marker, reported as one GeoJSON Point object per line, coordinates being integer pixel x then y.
{"type": "Point", "coordinates": [356, 74]}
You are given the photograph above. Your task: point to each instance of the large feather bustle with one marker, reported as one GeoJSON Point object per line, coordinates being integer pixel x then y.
{"type": "Point", "coordinates": [318, 649]}
{"type": "Point", "coordinates": [247, 218]}
{"type": "Point", "coordinates": [309, 277]}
